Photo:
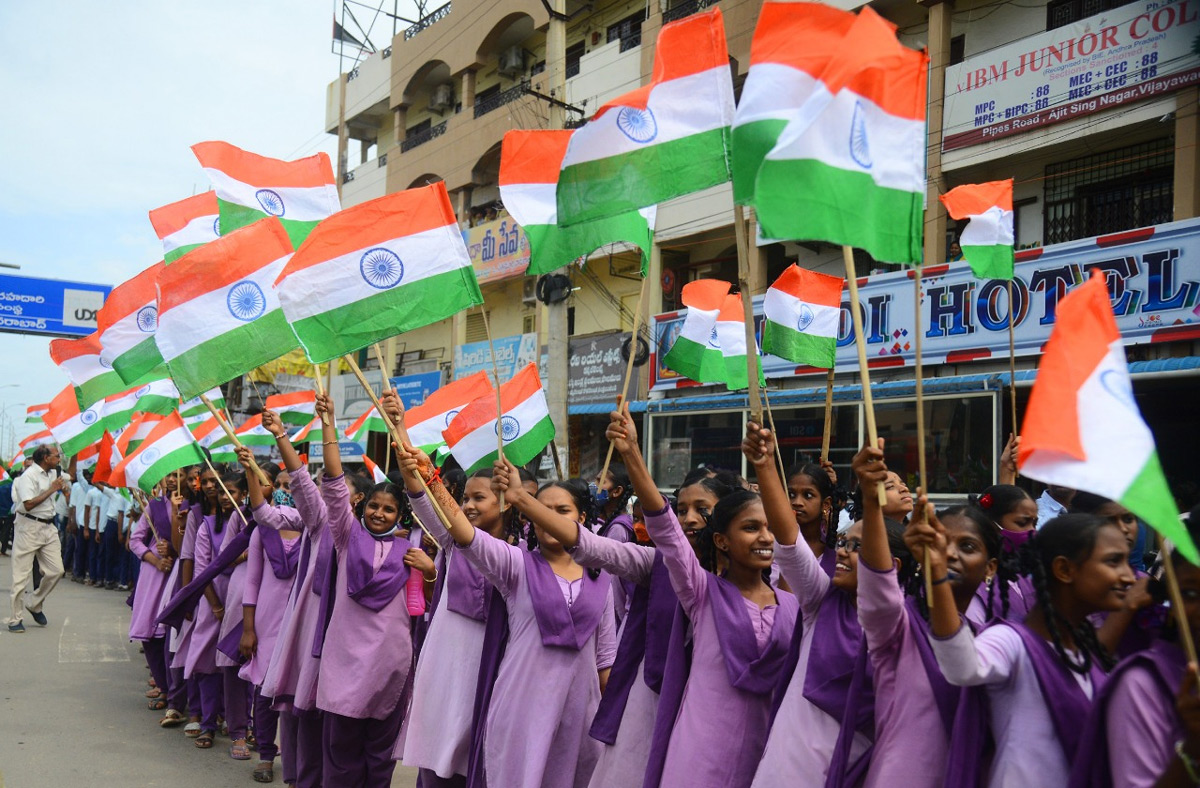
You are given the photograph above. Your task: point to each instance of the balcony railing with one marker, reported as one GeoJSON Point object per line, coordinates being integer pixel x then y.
{"type": "Point", "coordinates": [485, 105]}
{"type": "Point", "coordinates": [682, 10]}
{"type": "Point", "coordinates": [412, 140]}
{"type": "Point", "coordinates": [630, 41]}
{"type": "Point", "coordinates": [435, 15]}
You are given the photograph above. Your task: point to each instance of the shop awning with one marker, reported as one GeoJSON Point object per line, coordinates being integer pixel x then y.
{"type": "Point", "coordinates": [898, 388]}
{"type": "Point", "coordinates": [603, 408]}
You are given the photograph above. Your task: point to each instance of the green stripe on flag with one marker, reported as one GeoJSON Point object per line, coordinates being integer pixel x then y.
{"type": "Point", "coordinates": [698, 362]}
{"type": "Point", "coordinates": [1149, 497]}
{"type": "Point", "coordinates": [354, 326]}
{"type": "Point", "coordinates": [188, 454]}
{"type": "Point", "coordinates": [551, 247]}
{"type": "Point", "coordinates": [522, 450]}
{"type": "Point", "coordinates": [805, 199]}
{"type": "Point", "coordinates": [87, 437]}
{"type": "Point", "coordinates": [99, 387]}
{"type": "Point", "coordinates": [751, 144]}
{"type": "Point", "coordinates": [990, 262]}
{"type": "Point", "coordinates": [178, 252]}
{"type": "Point", "coordinates": [590, 190]}
{"type": "Point", "coordinates": [140, 360]}
{"type": "Point", "coordinates": [235, 217]}
{"type": "Point", "coordinates": [231, 354]}
{"type": "Point", "coordinates": [798, 347]}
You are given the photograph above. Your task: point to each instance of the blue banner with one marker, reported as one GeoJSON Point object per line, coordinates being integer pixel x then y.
{"type": "Point", "coordinates": [413, 389]}
{"type": "Point", "coordinates": [29, 305]}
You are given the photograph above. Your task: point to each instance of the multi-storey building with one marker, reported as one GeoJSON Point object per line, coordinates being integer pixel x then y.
{"type": "Point", "coordinates": [1090, 105]}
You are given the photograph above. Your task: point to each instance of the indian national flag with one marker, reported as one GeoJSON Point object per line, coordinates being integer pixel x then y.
{"type": "Point", "coordinates": [186, 224]}
{"type": "Point", "coordinates": [987, 241]}
{"type": "Point", "coordinates": [34, 413]}
{"type": "Point", "coordinates": [31, 442]}
{"type": "Point", "coordinates": [194, 407]}
{"type": "Point", "coordinates": [118, 409]}
{"type": "Point", "coordinates": [159, 396]}
{"type": "Point", "coordinates": [206, 432]}
{"type": "Point", "coordinates": [711, 347]}
{"type": "Point", "coordinates": [250, 187]}
{"type": "Point", "coordinates": [802, 311]}
{"type": "Point", "coordinates": [108, 458]}
{"type": "Point", "coordinates": [87, 457]}
{"type": "Point", "coordinates": [662, 140]}
{"type": "Point", "coordinates": [252, 433]}
{"type": "Point", "coordinates": [126, 325]}
{"type": "Point", "coordinates": [137, 431]}
{"type": "Point", "coordinates": [1083, 428]}
{"type": "Point", "coordinates": [368, 422]}
{"type": "Point", "coordinates": [219, 315]}
{"type": "Point", "coordinates": [296, 408]}
{"type": "Point", "coordinates": [529, 165]}
{"type": "Point", "coordinates": [167, 448]}
{"type": "Point", "coordinates": [376, 472]}
{"type": "Point", "coordinates": [849, 166]}
{"type": "Point", "coordinates": [525, 425]}
{"type": "Point", "coordinates": [426, 421]}
{"type": "Point", "coordinates": [309, 432]}
{"type": "Point", "coordinates": [72, 428]}
{"type": "Point", "coordinates": [92, 376]}
{"type": "Point", "coordinates": [377, 269]}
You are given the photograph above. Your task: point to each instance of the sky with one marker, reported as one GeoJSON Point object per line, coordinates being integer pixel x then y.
{"type": "Point", "coordinates": [101, 103]}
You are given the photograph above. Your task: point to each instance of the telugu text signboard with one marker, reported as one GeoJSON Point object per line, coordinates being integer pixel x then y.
{"type": "Point", "coordinates": [1153, 277]}
{"type": "Point", "coordinates": [596, 368]}
{"type": "Point", "coordinates": [30, 305]}
{"type": "Point", "coordinates": [512, 354]}
{"type": "Point", "coordinates": [1128, 54]}
{"type": "Point", "coordinates": [498, 249]}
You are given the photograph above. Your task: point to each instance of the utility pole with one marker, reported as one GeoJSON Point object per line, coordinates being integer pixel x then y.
{"type": "Point", "coordinates": [557, 341]}
{"type": "Point", "coordinates": [343, 135]}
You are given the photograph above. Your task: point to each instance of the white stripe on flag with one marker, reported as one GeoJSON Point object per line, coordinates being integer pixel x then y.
{"type": "Point", "coordinates": [299, 203]}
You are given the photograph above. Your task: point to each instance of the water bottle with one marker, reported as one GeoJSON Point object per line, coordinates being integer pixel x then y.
{"type": "Point", "coordinates": [414, 590]}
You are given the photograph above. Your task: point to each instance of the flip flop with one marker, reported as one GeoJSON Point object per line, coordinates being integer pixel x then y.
{"type": "Point", "coordinates": [156, 704]}
{"type": "Point", "coordinates": [239, 752]}
{"type": "Point", "coordinates": [172, 718]}
{"type": "Point", "coordinates": [205, 740]}
{"type": "Point", "coordinates": [191, 730]}
{"type": "Point", "coordinates": [264, 773]}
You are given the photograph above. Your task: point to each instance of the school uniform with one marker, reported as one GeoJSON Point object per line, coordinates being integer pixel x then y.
{"type": "Point", "coordinates": [201, 659]}
{"type": "Point", "coordinates": [97, 503]}
{"type": "Point", "coordinates": [154, 524]}
{"type": "Point", "coordinates": [110, 545]}
{"type": "Point", "coordinates": [620, 529]}
{"type": "Point", "coordinates": [183, 634]}
{"type": "Point", "coordinates": [238, 693]}
{"type": "Point", "coordinates": [79, 504]}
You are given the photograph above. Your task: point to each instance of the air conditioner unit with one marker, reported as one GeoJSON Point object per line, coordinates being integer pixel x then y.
{"type": "Point", "coordinates": [443, 98]}
{"type": "Point", "coordinates": [512, 61]}
{"type": "Point", "coordinates": [529, 291]}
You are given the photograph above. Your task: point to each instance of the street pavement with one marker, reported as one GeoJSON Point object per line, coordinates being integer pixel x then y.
{"type": "Point", "coordinates": [72, 710]}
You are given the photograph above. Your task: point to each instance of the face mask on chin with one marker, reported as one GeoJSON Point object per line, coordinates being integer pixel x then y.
{"type": "Point", "coordinates": [1014, 540]}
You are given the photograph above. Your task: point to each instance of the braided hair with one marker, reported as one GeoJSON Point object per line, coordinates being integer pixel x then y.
{"type": "Point", "coordinates": [825, 488]}
{"type": "Point", "coordinates": [581, 495]}
{"type": "Point", "coordinates": [1074, 537]}
{"type": "Point", "coordinates": [620, 478]}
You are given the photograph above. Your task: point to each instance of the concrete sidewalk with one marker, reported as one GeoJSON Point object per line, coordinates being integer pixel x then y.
{"type": "Point", "coordinates": [72, 710]}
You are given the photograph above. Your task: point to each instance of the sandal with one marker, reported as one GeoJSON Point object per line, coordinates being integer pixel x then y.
{"type": "Point", "coordinates": [205, 740]}
{"type": "Point", "coordinates": [191, 730]}
{"type": "Point", "coordinates": [264, 773]}
{"type": "Point", "coordinates": [172, 718]}
{"type": "Point", "coordinates": [154, 692]}
{"type": "Point", "coordinates": [239, 751]}
{"type": "Point", "coordinates": [156, 704]}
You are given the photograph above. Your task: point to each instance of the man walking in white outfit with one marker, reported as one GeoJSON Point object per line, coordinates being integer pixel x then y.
{"type": "Point", "coordinates": [36, 535]}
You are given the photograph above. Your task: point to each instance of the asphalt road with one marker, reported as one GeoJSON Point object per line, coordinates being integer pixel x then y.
{"type": "Point", "coordinates": [72, 711]}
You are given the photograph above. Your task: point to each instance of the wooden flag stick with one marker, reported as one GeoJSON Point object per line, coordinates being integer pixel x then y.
{"type": "Point", "coordinates": [1185, 632]}
{"type": "Point", "coordinates": [743, 253]}
{"type": "Point", "coordinates": [387, 386]}
{"type": "Point", "coordinates": [400, 439]}
{"type": "Point", "coordinates": [562, 477]}
{"type": "Point", "coordinates": [864, 373]}
{"type": "Point", "coordinates": [229, 433]}
{"type": "Point", "coordinates": [919, 385]}
{"type": "Point", "coordinates": [624, 393]}
{"type": "Point", "coordinates": [827, 434]}
{"type": "Point", "coordinates": [1012, 361]}
{"type": "Point", "coordinates": [321, 390]}
{"type": "Point", "coordinates": [499, 405]}
{"type": "Point", "coordinates": [775, 435]}
{"type": "Point", "coordinates": [225, 489]}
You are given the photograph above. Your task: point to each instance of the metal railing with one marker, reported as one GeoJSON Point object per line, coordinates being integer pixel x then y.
{"type": "Point", "coordinates": [435, 15]}
{"type": "Point", "coordinates": [485, 105]}
{"type": "Point", "coordinates": [682, 10]}
{"type": "Point", "coordinates": [631, 41]}
{"type": "Point", "coordinates": [412, 140]}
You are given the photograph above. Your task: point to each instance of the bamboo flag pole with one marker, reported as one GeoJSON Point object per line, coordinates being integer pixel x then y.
{"type": "Point", "coordinates": [225, 489]}
{"type": "Point", "coordinates": [1012, 360]}
{"type": "Point", "coordinates": [827, 434]}
{"type": "Point", "coordinates": [499, 405]}
{"type": "Point", "coordinates": [743, 253]}
{"type": "Point", "coordinates": [1185, 632]}
{"type": "Point", "coordinates": [321, 390]}
{"type": "Point", "coordinates": [919, 385]}
{"type": "Point", "coordinates": [387, 386]}
{"type": "Point", "coordinates": [229, 433]}
{"type": "Point", "coordinates": [400, 438]}
{"type": "Point", "coordinates": [775, 435]}
{"type": "Point", "coordinates": [864, 373]}
{"type": "Point", "coordinates": [633, 344]}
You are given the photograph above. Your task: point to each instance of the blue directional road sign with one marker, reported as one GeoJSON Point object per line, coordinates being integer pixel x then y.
{"type": "Point", "coordinates": [31, 305]}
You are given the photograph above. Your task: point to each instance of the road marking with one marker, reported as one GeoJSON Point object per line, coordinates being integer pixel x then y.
{"type": "Point", "coordinates": [101, 640]}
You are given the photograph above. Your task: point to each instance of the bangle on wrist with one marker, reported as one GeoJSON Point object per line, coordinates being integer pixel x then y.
{"type": "Point", "coordinates": [329, 443]}
{"type": "Point", "coordinates": [940, 580]}
{"type": "Point", "coordinates": [435, 576]}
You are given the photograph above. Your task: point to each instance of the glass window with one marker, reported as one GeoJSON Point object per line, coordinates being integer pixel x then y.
{"type": "Point", "coordinates": [800, 429]}
{"type": "Point", "coordinates": [682, 442]}
{"type": "Point", "coordinates": [960, 450]}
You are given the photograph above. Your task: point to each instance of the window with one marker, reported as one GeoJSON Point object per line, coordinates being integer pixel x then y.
{"type": "Point", "coordinates": [528, 324]}
{"type": "Point", "coordinates": [476, 327]}
{"type": "Point", "coordinates": [1110, 192]}
{"type": "Point", "coordinates": [628, 30]}
{"type": "Point", "coordinates": [1065, 12]}
{"type": "Point", "coordinates": [958, 48]}
{"type": "Point", "coordinates": [800, 430]}
{"type": "Point", "coordinates": [574, 53]}
{"type": "Point", "coordinates": [960, 441]}
{"type": "Point", "coordinates": [685, 441]}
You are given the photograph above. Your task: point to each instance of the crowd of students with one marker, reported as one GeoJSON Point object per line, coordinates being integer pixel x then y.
{"type": "Point", "coordinates": [491, 632]}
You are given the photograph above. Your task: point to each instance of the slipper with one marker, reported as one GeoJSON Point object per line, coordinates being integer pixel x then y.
{"type": "Point", "coordinates": [205, 740]}
{"type": "Point", "coordinates": [264, 773]}
{"type": "Point", "coordinates": [172, 718]}
{"type": "Point", "coordinates": [191, 730]}
{"type": "Point", "coordinates": [239, 752]}
{"type": "Point", "coordinates": [154, 693]}
{"type": "Point", "coordinates": [156, 704]}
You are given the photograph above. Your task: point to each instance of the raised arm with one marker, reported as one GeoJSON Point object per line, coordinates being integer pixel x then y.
{"type": "Point", "coordinates": [291, 459]}
{"type": "Point", "coordinates": [881, 608]}
{"type": "Point", "coordinates": [341, 518]}
{"type": "Point", "coordinates": [927, 536]}
{"type": "Point", "coordinates": [313, 513]}
{"type": "Point", "coordinates": [254, 575]}
{"type": "Point", "coordinates": [415, 468]}
{"type": "Point", "coordinates": [329, 439]}
{"type": "Point", "coordinates": [623, 435]}
{"type": "Point", "coordinates": [506, 481]}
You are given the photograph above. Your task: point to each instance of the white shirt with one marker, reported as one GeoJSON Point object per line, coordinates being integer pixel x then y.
{"type": "Point", "coordinates": [114, 506]}
{"type": "Point", "coordinates": [29, 485]}
{"type": "Point", "coordinates": [96, 501]}
{"type": "Point", "coordinates": [79, 494]}
{"type": "Point", "coordinates": [1048, 508]}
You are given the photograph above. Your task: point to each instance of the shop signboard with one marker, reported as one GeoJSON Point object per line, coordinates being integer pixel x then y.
{"type": "Point", "coordinates": [1124, 55]}
{"type": "Point", "coordinates": [499, 249]}
{"type": "Point", "coordinates": [1153, 276]}
{"type": "Point", "coordinates": [596, 368]}
{"type": "Point", "coordinates": [51, 307]}
{"type": "Point", "coordinates": [512, 353]}
{"type": "Point", "coordinates": [413, 389]}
